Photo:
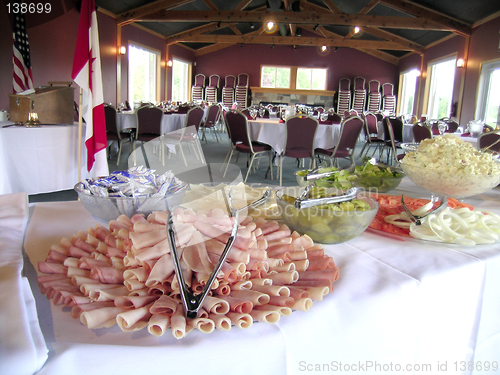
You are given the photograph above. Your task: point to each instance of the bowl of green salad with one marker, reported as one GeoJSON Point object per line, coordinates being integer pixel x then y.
{"type": "Point", "coordinates": [342, 178]}
{"type": "Point", "coordinates": [377, 177]}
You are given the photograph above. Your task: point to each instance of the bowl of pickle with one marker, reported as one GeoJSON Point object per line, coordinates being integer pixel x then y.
{"type": "Point", "coordinates": [333, 177]}
{"type": "Point", "coordinates": [331, 223]}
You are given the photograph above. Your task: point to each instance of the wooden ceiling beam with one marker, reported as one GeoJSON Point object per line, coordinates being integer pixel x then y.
{"type": "Point", "coordinates": [396, 39]}
{"type": "Point", "coordinates": [130, 16]}
{"type": "Point", "coordinates": [324, 18]}
{"type": "Point", "coordinates": [381, 55]}
{"type": "Point", "coordinates": [172, 39]}
{"type": "Point", "coordinates": [372, 4]}
{"type": "Point", "coordinates": [243, 4]}
{"type": "Point", "coordinates": [212, 48]}
{"type": "Point", "coordinates": [210, 5]}
{"type": "Point", "coordinates": [235, 29]}
{"type": "Point", "coordinates": [422, 12]}
{"type": "Point", "coordinates": [299, 41]}
{"type": "Point", "coordinates": [332, 6]}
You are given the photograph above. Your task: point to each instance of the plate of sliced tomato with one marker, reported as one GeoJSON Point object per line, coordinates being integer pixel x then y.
{"type": "Point", "coordinates": [391, 205]}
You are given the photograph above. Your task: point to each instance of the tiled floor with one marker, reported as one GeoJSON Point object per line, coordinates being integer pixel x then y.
{"type": "Point", "coordinates": [214, 153]}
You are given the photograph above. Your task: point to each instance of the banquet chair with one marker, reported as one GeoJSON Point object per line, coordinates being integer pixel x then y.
{"type": "Point", "coordinates": [346, 144]}
{"type": "Point", "coordinates": [113, 133]}
{"type": "Point", "coordinates": [148, 127]}
{"type": "Point", "coordinates": [299, 140]}
{"type": "Point", "coordinates": [393, 136]}
{"type": "Point", "coordinates": [211, 121]}
{"type": "Point", "coordinates": [452, 125]}
{"type": "Point", "coordinates": [421, 132]}
{"type": "Point", "coordinates": [490, 140]}
{"type": "Point", "coordinates": [372, 139]}
{"type": "Point", "coordinates": [239, 136]}
{"type": "Point", "coordinates": [193, 120]}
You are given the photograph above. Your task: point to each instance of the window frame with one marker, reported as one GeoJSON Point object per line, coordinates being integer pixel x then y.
{"type": "Point", "coordinates": [276, 67]}
{"type": "Point", "coordinates": [157, 69]}
{"type": "Point", "coordinates": [486, 70]}
{"type": "Point", "coordinates": [310, 81]}
{"type": "Point", "coordinates": [189, 77]}
{"type": "Point", "coordinates": [428, 81]}
{"type": "Point", "coordinates": [401, 90]}
{"type": "Point", "coordinates": [293, 77]}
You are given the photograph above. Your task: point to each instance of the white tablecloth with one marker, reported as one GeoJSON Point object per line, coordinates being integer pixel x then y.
{"type": "Point", "coordinates": [44, 159]}
{"type": "Point", "coordinates": [398, 305]}
{"type": "Point", "coordinates": [169, 123]}
{"type": "Point", "coordinates": [22, 345]}
{"type": "Point", "coordinates": [272, 132]}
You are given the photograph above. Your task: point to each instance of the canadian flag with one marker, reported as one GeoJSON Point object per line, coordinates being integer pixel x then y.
{"type": "Point", "coordinates": [87, 74]}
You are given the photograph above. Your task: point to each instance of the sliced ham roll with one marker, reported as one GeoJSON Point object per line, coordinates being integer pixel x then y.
{"type": "Point", "coordinates": [77, 310]}
{"type": "Point", "coordinates": [162, 269]}
{"type": "Point", "coordinates": [107, 294]}
{"type": "Point", "coordinates": [221, 322]}
{"type": "Point", "coordinates": [148, 239]}
{"type": "Point", "coordinates": [282, 310]}
{"type": "Point", "coordinates": [74, 271]}
{"type": "Point", "coordinates": [134, 302]}
{"type": "Point", "coordinates": [257, 298]}
{"type": "Point", "coordinates": [158, 324]}
{"type": "Point", "coordinates": [216, 305]}
{"type": "Point", "coordinates": [107, 275]}
{"type": "Point", "coordinates": [140, 274]}
{"type": "Point", "coordinates": [205, 325]}
{"type": "Point", "coordinates": [265, 316]}
{"type": "Point", "coordinates": [284, 277]}
{"type": "Point", "coordinates": [178, 323]}
{"type": "Point", "coordinates": [272, 290]}
{"type": "Point", "coordinates": [164, 305]}
{"type": "Point", "coordinates": [71, 262]}
{"type": "Point", "coordinates": [316, 293]}
{"type": "Point", "coordinates": [331, 274]}
{"type": "Point", "coordinates": [303, 304]}
{"type": "Point", "coordinates": [103, 317]}
{"type": "Point", "coordinates": [134, 320]}
{"type": "Point", "coordinates": [238, 305]}
{"type": "Point", "coordinates": [240, 320]}
{"type": "Point", "coordinates": [49, 267]}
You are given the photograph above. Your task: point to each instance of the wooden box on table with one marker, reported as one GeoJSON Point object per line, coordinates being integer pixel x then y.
{"type": "Point", "coordinates": [53, 104]}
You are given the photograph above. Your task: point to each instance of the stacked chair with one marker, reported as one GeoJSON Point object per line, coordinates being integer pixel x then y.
{"type": "Point", "coordinates": [344, 99]}
{"type": "Point", "coordinates": [212, 90]}
{"type": "Point", "coordinates": [198, 87]}
{"type": "Point", "coordinates": [241, 91]}
{"type": "Point", "coordinates": [374, 96]}
{"type": "Point", "coordinates": [228, 91]}
{"type": "Point", "coordinates": [359, 97]}
{"type": "Point", "coordinates": [388, 98]}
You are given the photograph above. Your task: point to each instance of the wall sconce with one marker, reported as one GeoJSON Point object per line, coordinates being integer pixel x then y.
{"type": "Point", "coordinates": [170, 63]}
{"type": "Point", "coordinates": [123, 50]}
{"type": "Point", "coordinates": [460, 63]}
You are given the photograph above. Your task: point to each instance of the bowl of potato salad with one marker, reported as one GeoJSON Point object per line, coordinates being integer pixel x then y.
{"type": "Point", "coordinates": [448, 166]}
{"type": "Point", "coordinates": [327, 223]}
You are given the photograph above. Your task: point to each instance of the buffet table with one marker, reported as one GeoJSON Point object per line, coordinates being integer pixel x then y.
{"type": "Point", "coordinates": [43, 159]}
{"type": "Point", "coordinates": [272, 132]}
{"type": "Point", "coordinates": [399, 306]}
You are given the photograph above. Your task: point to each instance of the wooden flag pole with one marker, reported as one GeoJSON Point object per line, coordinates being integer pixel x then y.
{"type": "Point", "coordinates": [80, 120]}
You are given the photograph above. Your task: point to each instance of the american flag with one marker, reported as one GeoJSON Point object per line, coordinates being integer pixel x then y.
{"type": "Point", "coordinates": [21, 63]}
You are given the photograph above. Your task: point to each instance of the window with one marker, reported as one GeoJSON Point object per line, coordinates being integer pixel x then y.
{"type": "Point", "coordinates": [439, 87]}
{"type": "Point", "coordinates": [408, 86]}
{"type": "Point", "coordinates": [275, 77]}
{"type": "Point", "coordinates": [143, 74]}
{"type": "Point", "coordinates": [311, 79]}
{"type": "Point", "coordinates": [488, 105]}
{"type": "Point", "coordinates": [181, 78]}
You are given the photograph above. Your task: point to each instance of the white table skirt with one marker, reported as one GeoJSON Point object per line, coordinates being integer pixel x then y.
{"type": "Point", "coordinates": [44, 159]}
{"type": "Point", "coordinates": [272, 132]}
{"type": "Point", "coordinates": [398, 305]}
{"type": "Point", "coordinates": [169, 123]}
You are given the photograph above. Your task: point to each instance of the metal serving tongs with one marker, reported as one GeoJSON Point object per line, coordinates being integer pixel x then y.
{"type": "Point", "coordinates": [418, 219]}
{"type": "Point", "coordinates": [303, 202]}
{"type": "Point", "coordinates": [191, 302]}
{"type": "Point", "coordinates": [313, 175]}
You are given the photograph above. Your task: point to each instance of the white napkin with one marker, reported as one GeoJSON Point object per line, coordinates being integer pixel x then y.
{"type": "Point", "coordinates": [22, 346]}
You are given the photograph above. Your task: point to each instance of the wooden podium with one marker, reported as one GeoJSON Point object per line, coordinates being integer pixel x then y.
{"type": "Point", "coordinates": [53, 104]}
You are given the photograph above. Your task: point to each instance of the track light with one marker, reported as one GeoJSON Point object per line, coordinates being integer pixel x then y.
{"type": "Point", "coordinates": [252, 26]}
{"type": "Point", "coordinates": [218, 25]}
{"type": "Point", "coordinates": [298, 32]}
{"type": "Point", "coordinates": [241, 45]}
{"type": "Point", "coordinates": [294, 47]}
{"type": "Point", "coordinates": [316, 27]}
{"type": "Point", "coordinates": [335, 49]}
{"type": "Point", "coordinates": [272, 47]}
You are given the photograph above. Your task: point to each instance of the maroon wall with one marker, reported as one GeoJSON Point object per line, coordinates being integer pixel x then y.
{"type": "Point", "coordinates": [345, 62]}
{"type": "Point", "coordinates": [484, 47]}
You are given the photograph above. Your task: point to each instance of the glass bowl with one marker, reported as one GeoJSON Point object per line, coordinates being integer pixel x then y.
{"type": "Point", "coordinates": [325, 225]}
{"type": "Point", "coordinates": [378, 177]}
{"type": "Point", "coordinates": [450, 185]}
{"type": "Point", "coordinates": [345, 179]}
{"type": "Point", "coordinates": [448, 166]}
{"type": "Point", "coordinates": [109, 208]}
